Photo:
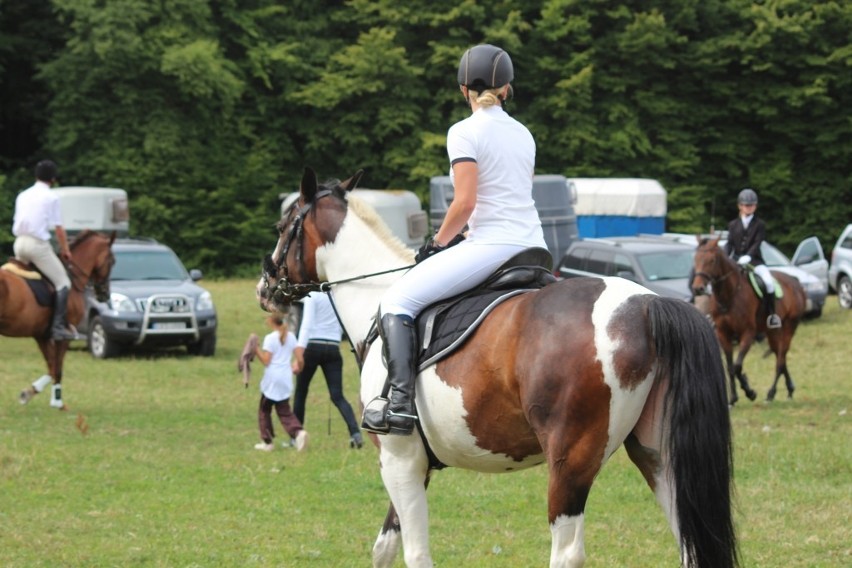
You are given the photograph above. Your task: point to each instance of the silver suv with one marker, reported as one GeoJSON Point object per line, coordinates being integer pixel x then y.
{"type": "Point", "coordinates": [840, 271]}
{"type": "Point", "coordinates": [660, 265]}
{"type": "Point", "coordinates": [153, 301]}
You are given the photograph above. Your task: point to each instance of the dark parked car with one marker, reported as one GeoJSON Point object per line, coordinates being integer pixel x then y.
{"type": "Point", "coordinates": [153, 301]}
{"type": "Point", "coordinates": [663, 266]}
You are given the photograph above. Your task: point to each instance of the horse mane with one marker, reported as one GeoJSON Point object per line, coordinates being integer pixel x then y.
{"type": "Point", "coordinates": [366, 213]}
{"type": "Point", "coordinates": [81, 237]}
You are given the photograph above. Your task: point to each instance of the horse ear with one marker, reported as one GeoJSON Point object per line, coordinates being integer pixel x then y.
{"type": "Point", "coordinates": [112, 238]}
{"type": "Point", "coordinates": [309, 185]}
{"type": "Point", "coordinates": [352, 182]}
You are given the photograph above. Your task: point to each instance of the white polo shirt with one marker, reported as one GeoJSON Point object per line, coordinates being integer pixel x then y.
{"type": "Point", "coordinates": [36, 212]}
{"type": "Point", "coordinates": [504, 152]}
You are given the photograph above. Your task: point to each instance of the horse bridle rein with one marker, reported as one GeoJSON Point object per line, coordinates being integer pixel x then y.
{"type": "Point", "coordinates": [78, 274]}
{"type": "Point", "coordinates": [709, 278]}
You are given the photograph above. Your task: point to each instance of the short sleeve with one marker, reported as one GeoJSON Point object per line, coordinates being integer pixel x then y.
{"type": "Point", "coordinates": [460, 144]}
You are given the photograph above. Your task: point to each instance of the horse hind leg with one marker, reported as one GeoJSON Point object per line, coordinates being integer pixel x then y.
{"type": "Point", "coordinates": [38, 385]}
{"type": "Point", "coordinates": [788, 380]}
{"type": "Point", "coordinates": [386, 547]}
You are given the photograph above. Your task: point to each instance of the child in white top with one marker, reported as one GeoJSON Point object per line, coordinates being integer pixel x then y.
{"type": "Point", "coordinates": [276, 354]}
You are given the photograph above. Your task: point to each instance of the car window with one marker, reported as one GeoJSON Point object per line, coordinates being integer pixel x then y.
{"type": "Point", "coordinates": [772, 256]}
{"type": "Point", "coordinates": [621, 263]}
{"type": "Point", "coordinates": [600, 262]}
{"type": "Point", "coordinates": [147, 265]}
{"type": "Point", "coordinates": [809, 251]}
{"type": "Point", "coordinates": [846, 242]}
{"type": "Point", "coordinates": [576, 259]}
{"type": "Point", "coordinates": [666, 265]}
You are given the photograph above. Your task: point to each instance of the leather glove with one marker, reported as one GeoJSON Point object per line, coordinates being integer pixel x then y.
{"type": "Point", "coordinates": [432, 248]}
{"type": "Point", "coordinates": [744, 259]}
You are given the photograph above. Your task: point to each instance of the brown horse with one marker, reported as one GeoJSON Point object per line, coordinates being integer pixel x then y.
{"type": "Point", "coordinates": [22, 316]}
{"type": "Point", "coordinates": [564, 376]}
{"type": "Point", "coordinates": [739, 315]}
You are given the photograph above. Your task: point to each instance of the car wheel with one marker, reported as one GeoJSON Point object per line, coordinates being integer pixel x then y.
{"type": "Point", "coordinates": [844, 292]}
{"type": "Point", "coordinates": [205, 347]}
{"type": "Point", "coordinates": [100, 345]}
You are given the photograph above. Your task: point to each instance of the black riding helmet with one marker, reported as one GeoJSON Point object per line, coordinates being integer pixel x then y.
{"type": "Point", "coordinates": [485, 67]}
{"type": "Point", "coordinates": [747, 197]}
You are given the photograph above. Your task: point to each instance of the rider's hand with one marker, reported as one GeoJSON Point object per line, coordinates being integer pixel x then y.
{"type": "Point", "coordinates": [744, 259]}
{"type": "Point", "coordinates": [431, 248]}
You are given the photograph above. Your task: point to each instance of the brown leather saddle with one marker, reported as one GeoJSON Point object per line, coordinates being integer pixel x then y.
{"type": "Point", "coordinates": [41, 286]}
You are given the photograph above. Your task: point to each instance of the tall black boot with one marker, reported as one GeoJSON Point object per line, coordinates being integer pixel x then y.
{"type": "Point", "coordinates": [399, 347]}
{"type": "Point", "coordinates": [59, 327]}
{"type": "Point", "coordinates": [772, 319]}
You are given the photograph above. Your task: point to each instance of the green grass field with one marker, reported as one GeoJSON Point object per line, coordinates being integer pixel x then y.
{"type": "Point", "coordinates": [165, 473]}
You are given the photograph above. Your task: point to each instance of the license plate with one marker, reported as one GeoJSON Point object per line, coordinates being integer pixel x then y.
{"type": "Point", "coordinates": [168, 325]}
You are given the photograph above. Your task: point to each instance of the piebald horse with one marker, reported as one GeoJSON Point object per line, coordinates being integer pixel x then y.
{"type": "Point", "coordinates": [739, 315]}
{"type": "Point", "coordinates": [22, 316]}
{"type": "Point", "coordinates": [561, 376]}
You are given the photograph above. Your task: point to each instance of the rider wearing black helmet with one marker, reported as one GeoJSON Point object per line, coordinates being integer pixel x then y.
{"type": "Point", "coordinates": [492, 162]}
{"type": "Point", "coordinates": [745, 235]}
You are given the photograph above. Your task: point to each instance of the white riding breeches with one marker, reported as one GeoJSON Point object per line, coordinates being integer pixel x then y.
{"type": "Point", "coordinates": [40, 253]}
{"type": "Point", "coordinates": [763, 271]}
{"type": "Point", "coordinates": [444, 275]}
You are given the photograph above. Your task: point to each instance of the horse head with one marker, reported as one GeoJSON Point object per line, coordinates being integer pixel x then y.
{"type": "Point", "coordinates": [92, 262]}
{"type": "Point", "coordinates": [711, 265]}
{"type": "Point", "coordinates": [291, 271]}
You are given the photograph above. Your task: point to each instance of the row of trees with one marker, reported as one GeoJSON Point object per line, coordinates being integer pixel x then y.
{"type": "Point", "coordinates": [205, 110]}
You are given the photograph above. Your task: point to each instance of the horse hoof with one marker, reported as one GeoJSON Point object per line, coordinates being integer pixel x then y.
{"type": "Point", "coordinates": [751, 395]}
{"type": "Point", "coordinates": [25, 396]}
{"type": "Point", "coordinates": [770, 396]}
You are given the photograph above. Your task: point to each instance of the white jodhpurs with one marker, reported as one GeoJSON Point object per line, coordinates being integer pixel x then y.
{"type": "Point", "coordinates": [444, 275]}
{"type": "Point", "coordinates": [763, 271]}
{"type": "Point", "coordinates": [40, 253]}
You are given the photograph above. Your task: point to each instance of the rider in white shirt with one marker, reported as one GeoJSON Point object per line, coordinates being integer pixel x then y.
{"type": "Point", "coordinates": [36, 211]}
{"type": "Point", "coordinates": [492, 159]}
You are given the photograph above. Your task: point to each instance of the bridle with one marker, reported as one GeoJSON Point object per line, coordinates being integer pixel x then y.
{"type": "Point", "coordinates": [710, 278]}
{"type": "Point", "coordinates": [79, 277]}
{"type": "Point", "coordinates": [285, 290]}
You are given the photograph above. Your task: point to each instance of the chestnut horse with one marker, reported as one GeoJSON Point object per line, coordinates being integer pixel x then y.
{"type": "Point", "coordinates": [739, 315]}
{"type": "Point", "coordinates": [562, 376]}
{"type": "Point", "coordinates": [22, 316]}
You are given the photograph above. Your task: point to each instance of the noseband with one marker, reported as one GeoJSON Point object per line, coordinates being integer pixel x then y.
{"type": "Point", "coordinates": [285, 290]}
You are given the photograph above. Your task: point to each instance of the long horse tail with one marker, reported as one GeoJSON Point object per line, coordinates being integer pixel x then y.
{"type": "Point", "coordinates": [698, 440]}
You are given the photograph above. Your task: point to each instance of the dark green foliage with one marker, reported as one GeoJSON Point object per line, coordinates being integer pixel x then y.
{"type": "Point", "coordinates": [206, 110]}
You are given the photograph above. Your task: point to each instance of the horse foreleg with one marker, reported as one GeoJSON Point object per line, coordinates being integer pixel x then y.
{"type": "Point", "coordinates": [745, 345]}
{"type": "Point", "coordinates": [386, 547]}
{"type": "Point", "coordinates": [781, 369]}
{"type": "Point", "coordinates": [404, 468]}
{"type": "Point", "coordinates": [727, 349]}
{"type": "Point", "coordinates": [58, 354]}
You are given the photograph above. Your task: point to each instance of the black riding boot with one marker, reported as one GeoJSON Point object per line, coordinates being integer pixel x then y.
{"type": "Point", "coordinates": [59, 327]}
{"type": "Point", "coordinates": [399, 347]}
{"type": "Point", "coordinates": [772, 319]}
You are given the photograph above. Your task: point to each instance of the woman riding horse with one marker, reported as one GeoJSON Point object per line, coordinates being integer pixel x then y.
{"type": "Point", "coordinates": [492, 159]}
